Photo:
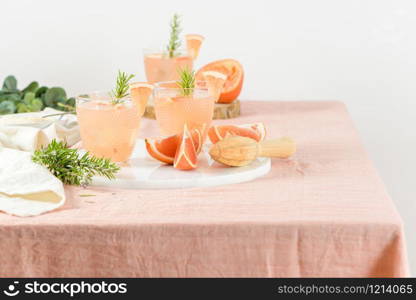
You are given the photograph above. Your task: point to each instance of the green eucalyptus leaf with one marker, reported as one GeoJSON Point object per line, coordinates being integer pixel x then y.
{"type": "Point", "coordinates": [36, 105]}
{"type": "Point", "coordinates": [7, 107]}
{"type": "Point", "coordinates": [10, 83]}
{"type": "Point", "coordinates": [31, 88]}
{"type": "Point", "coordinates": [70, 101]}
{"type": "Point", "coordinates": [53, 95]}
{"type": "Point", "coordinates": [10, 97]}
{"type": "Point", "coordinates": [4, 97]}
{"type": "Point", "coordinates": [22, 108]}
{"type": "Point", "coordinates": [28, 98]}
{"type": "Point", "coordinates": [59, 104]}
{"type": "Point", "coordinates": [41, 91]}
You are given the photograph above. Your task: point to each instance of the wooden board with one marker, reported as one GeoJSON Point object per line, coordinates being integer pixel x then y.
{"type": "Point", "coordinates": [221, 111]}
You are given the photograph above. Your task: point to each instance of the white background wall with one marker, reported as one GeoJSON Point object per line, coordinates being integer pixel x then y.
{"type": "Point", "coordinates": [360, 51]}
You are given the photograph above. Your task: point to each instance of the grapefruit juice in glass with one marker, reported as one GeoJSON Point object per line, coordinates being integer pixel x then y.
{"type": "Point", "coordinates": [160, 67]}
{"type": "Point", "coordinates": [174, 108]}
{"type": "Point", "coordinates": [164, 65]}
{"type": "Point", "coordinates": [107, 130]}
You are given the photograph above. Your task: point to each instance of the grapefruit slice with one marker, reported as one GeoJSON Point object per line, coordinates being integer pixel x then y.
{"type": "Point", "coordinates": [193, 44]}
{"type": "Point", "coordinates": [255, 131]}
{"type": "Point", "coordinates": [215, 83]}
{"type": "Point", "coordinates": [235, 75]}
{"type": "Point", "coordinates": [140, 93]}
{"type": "Point", "coordinates": [163, 150]}
{"type": "Point", "coordinates": [186, 157]}
{"type": "Point", "coordinates": [196, 135]}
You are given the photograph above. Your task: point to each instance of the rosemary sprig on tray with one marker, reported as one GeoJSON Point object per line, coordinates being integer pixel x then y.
{"type": "Point", "coordinates": [174, 41]}
{"type": "Point", "coordinates": [71, 167]}
{"type": "Point", "coordinates": [122, 87]}
{"type": "Point", "coordinates": [186, 82]}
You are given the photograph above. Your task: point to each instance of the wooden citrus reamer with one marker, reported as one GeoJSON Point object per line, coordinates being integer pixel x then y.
{"type": "Point", "coordinates": [240, 151]}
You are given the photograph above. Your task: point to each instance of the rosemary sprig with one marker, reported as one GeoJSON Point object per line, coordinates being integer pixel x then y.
{"type": "Point", "coordinates": [174, 41]}
{"type": "Point", "coordinates": [122, 87]}
{"type": "Point", "coordinates": [186, 82]}
{"type": "Point", "coordinates": [71, 167]}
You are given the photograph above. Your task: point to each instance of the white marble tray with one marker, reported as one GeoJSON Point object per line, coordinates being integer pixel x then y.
{"type": "Point", "coordinates": [143, 172]}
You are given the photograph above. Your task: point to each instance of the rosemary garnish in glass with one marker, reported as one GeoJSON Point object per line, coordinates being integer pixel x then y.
{"type": "Point", "coordinates": [174, 41]}
{"type": "Point", "coordinates": [122, 87]}
{"type": "Point", "coordinates": [186, 82]}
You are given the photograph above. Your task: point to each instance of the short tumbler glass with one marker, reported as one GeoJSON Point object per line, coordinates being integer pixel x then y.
{"type": "Point", "coordinates": [176, 107]}
{"type": "Point", "coordinates": [108, 129]}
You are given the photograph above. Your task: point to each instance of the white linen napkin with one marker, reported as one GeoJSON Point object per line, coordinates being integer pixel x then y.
{"type": "Point", "coordinates": [30, 131]}
{"type": "Point", "coordinates": [27, 188]}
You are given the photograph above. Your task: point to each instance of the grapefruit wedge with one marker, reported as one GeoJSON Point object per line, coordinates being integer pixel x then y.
{"type": "Point", "coordinates": [164, 150]}
{"type": "Point", "coordinates": [215, 83]}
{"type": "Point", "coordinates": [255, 131]}
{"type": "Point", "coordinates": [235, 75]}
{"type": "Point", "coordinates": [193, 44]}
{"type": "Point", "coordinates": [196, 135]}
{"type": "Point", "coordinates": [186, 157]}
{"type": "Point", "coordinates": [140, 93]}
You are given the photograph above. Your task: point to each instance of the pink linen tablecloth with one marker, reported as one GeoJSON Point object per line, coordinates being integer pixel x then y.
{"type": "Point", "coordinates": [323, 213]}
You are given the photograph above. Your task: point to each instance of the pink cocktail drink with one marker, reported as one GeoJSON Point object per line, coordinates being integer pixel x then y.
{"type": "Point", "coordinates": [108, 130]}
{"type": "Point", "coordinates": [174, 109]}
{"type": "Point", "coordinates": [160, 67]}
